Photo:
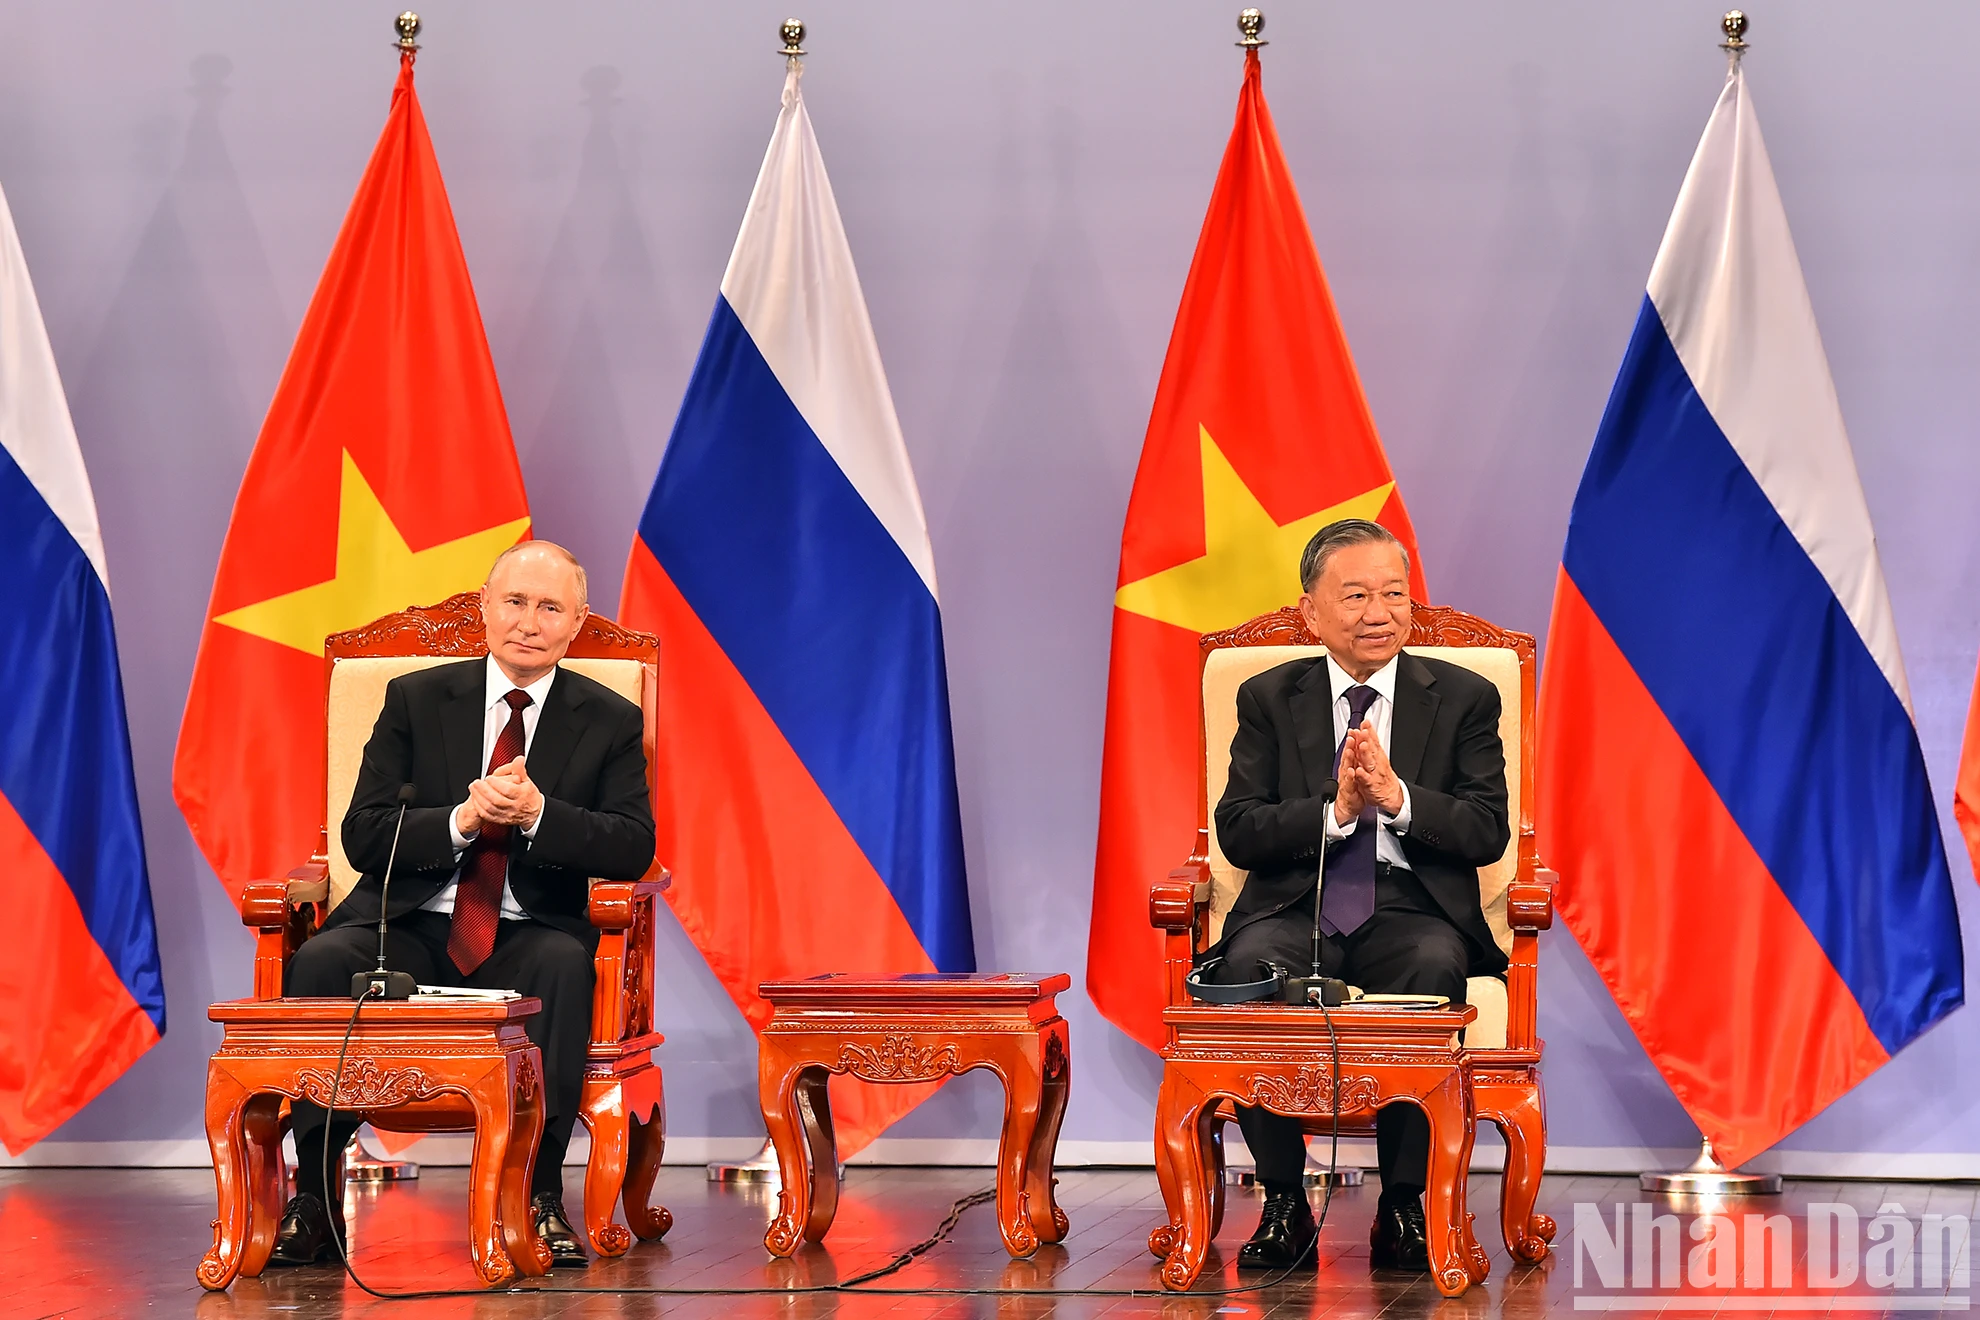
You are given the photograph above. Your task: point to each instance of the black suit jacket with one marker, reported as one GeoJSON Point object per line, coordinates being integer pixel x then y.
{"type": "Point", "coordinates": [1443, 743]}
{"type": "Point", "coordinates": [585, 757]}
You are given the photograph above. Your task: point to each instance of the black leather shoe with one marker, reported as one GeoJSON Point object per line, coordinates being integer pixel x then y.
{"type": "Point", "coordinates": [303, 1236]}
{"type": "Point", "coordinates": [1399, 1239]}
{"type": "Point", "coordinates": [1286, 1235]}
{"type": "Point", "coordinates": [554, 1227]}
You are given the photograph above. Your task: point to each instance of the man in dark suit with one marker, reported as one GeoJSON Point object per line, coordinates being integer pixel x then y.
{"type": "Point", "coordinates": [529, 780]}
{"type": "Point", "coordinates": [1414, 744]}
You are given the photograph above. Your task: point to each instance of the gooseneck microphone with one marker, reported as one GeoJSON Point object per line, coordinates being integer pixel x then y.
{"type": "Point", "coordinates": [379, 983]}
{"type": "Point", "coordinates": [1315, 988]}
{"type": "Point", "coordinates": [1329, 790]}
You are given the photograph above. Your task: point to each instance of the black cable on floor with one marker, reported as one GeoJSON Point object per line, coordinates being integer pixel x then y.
{"type": "Point", "coordinates": [856, 1284]}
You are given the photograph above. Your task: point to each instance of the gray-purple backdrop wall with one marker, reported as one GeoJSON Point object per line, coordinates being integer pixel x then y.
{"type": "Point", "coordinates": [1022, 184]}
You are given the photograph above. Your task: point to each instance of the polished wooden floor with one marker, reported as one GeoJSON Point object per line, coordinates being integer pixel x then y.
{"type": "Point", "coordinates": [120, 1243]}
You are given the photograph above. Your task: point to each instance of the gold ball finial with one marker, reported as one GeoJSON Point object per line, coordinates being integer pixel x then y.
{"type": "Point", "coordinates": [407, 26]}
{"type": "Point", "coordinates": [792, 32]}
{"type": "Point", "coordinates": [1734, 26]}
{"type": "Point", "coordinates": [1250, 23]}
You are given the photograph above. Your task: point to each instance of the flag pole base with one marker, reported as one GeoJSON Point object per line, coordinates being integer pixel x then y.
{"type": "Point", "coordinates": [1708, 1177]}
{"type": "Point", "coordinates": [759, 1170]}
{"type": "Point", "coordinates": [360, 1167]}
{"type": "Point", "coordinates": [1241, 1176]}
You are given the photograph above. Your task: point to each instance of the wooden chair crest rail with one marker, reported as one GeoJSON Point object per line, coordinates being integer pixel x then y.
{"type": "Point", "coordinates": [623, 1104]}
{"type": "Point", "coordinates": [1503, 1044]}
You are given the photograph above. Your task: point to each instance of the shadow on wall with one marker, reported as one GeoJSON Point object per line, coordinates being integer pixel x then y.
{"type": "Point", "coordinates": [595, 372]}
{"type": "Point", "coordinates": [170, 398]}
{"type": "Point", "coordinates": [1040, 374]}
{"type": "Point", "coordinates": [1528, 325]}
{"type": "Point", "coordinates": [1022, 539]}
{"type": "Point", "coordinates": [591, 377]}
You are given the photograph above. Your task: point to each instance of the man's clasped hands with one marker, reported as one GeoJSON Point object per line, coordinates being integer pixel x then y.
{"type": "Point", "coordinates": [506, 796]}
{"type": "Point", "coordinates": [1365, 776]}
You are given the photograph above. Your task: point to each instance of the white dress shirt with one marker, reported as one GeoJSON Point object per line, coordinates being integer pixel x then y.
{"type": "Point", "coordinates": [495, 717]}
{"type": "Point", "coordinates": [1388, 843]}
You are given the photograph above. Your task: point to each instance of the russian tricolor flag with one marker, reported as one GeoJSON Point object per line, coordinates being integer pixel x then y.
{"type": "Point", "coordinates": [81, 996]}
{"type": "Point", "coordinates": [807, 793]}
{"type": "Point", "coordinates": [1732, 788]}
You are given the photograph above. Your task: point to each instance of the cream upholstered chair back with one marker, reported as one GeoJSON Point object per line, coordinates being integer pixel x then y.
{"type": "Point", "coordinates": [363, 661]}
{"type": "Point", "coordinates": [1505, 659]}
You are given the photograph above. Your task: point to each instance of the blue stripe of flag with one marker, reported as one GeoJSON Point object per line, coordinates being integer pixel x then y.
{"type": "Point", "coordinates": [65, 748]}
{"type": "Point", "coordinates": [824, 617]}
{"type": "Point", "coordinates": [1744, 647]}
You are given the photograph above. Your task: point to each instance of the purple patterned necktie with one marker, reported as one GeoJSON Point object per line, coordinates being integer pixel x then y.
{"type": "Point", "coordinates": [1347, 893]}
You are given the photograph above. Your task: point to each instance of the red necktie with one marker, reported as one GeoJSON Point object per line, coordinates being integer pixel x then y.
{"type": "Point", "coordinates": [478, 897]}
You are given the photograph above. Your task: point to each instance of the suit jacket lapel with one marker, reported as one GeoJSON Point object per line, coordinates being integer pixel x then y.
{"type": "Point", "coordinates": [1416, 710]}
{"type": "Point", "coordinates": [556, 735]}
{"type": "Point", "coordinates": [1313, 716]}
{"type": "Point", "coordinates": [461, 727]}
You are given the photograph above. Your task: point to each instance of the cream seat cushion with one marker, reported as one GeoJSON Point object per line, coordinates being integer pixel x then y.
{"type": "Point", "coordinates": [357, 694]}
{"type": "Point", "coordinates": [1227, 669]}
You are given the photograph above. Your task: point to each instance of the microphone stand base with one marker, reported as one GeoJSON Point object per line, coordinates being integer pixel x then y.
{"type": "Point", "coordinates": [382, 985]}
{"type": "Point", "coordinates": [360, 1167]}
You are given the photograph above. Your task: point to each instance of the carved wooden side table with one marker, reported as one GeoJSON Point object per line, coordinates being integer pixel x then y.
{"type": "Point", "coordinates": [435, 1064]}
{"type": "Point", "coordinates": [1283, 1058]}
{"type": "Point", "coordinates": [914, 1029]}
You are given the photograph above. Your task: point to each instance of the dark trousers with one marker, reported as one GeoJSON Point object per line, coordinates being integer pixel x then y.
{"type": "Point", "coordinates": [1406, 947]}
{"type": "Point", "coordinates": [530, 958]}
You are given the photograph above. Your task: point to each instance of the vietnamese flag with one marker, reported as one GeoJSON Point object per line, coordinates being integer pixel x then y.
{"type": "Point", "coordinates": [384, 477]}
{"type": "Point", "coordinates": [1259, 437]}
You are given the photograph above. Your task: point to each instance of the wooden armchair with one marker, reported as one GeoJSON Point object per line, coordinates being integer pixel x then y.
{"type": "Point", "coordinates": [622, 1106]}
{"type": "Point", "coordinates": [1517, 893]}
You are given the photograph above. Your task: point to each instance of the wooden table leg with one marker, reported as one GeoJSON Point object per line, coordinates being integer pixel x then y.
{"type": "Point", "coordinates": [779, 1079]}
{"type": "Point", "coordinates": [1179, 1125]}
{"type": "Point", "coordinates": [821, 1142]}
{"type": "Point", "coordinates": [494, 1101]}
{"type": "Point", "coordinates": [1213, 1175]}
{"type": "Point", "coordinates": [605, 1118]}
{"type": "Point", "coordinates": [227, 1138]}
{"type": "Point", "coordinates": [526, 1247]}
{"type": "Point", "coordinates": [261, 1125]}
{"type": "Point", "coordinates": [1517, 1110]}
{"type": "Point", "coordinates": [1047, 1218]}
{"type": "Point", "coordinates": [1019, 1066]}
{"type": "Point", "coordinates": [646, 1110]}
{"type": "Point", "coordinates": [1444, 1200]}
{"type": "Point", "coordinates": [1162, 1238]}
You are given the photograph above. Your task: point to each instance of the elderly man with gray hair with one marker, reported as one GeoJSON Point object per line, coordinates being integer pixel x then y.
{"type": "Point", "coordinates": [1414, 745]}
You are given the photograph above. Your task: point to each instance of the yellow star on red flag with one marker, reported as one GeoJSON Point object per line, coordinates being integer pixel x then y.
{"type": "Point", "coordinates": [1249, 565]}
{"type": "Point", "coordinates": [377, 573]}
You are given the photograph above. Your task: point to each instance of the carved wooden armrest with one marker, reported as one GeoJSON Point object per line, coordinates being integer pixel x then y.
{"type": "Point", "coordinates": [613, 902]}
{"type": "Point", "coordinates": [286, 912]}
{"type": "Point", "coordinates": [622, 994]}
{"type": "Point", "coordinates": [268, 903]}
{"type": "Point", "coordinates": [265, 904]}
{"type": "Point", "coordinates": [1530, 903]}
{"type": "Point", "coordinates": [1173, 900]}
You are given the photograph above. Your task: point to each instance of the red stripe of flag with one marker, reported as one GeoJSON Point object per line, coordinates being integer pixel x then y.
{"type": "Point", "coordinates": [1651, 865]}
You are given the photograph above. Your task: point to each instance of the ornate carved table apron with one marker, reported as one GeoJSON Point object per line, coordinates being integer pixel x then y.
{"type": "Point", "coordinates": [439, 1064]}
{"type": "Point", "coordinates": [1283, 1058]}
{"type": "Point", "coordinates": [914, 1029]}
